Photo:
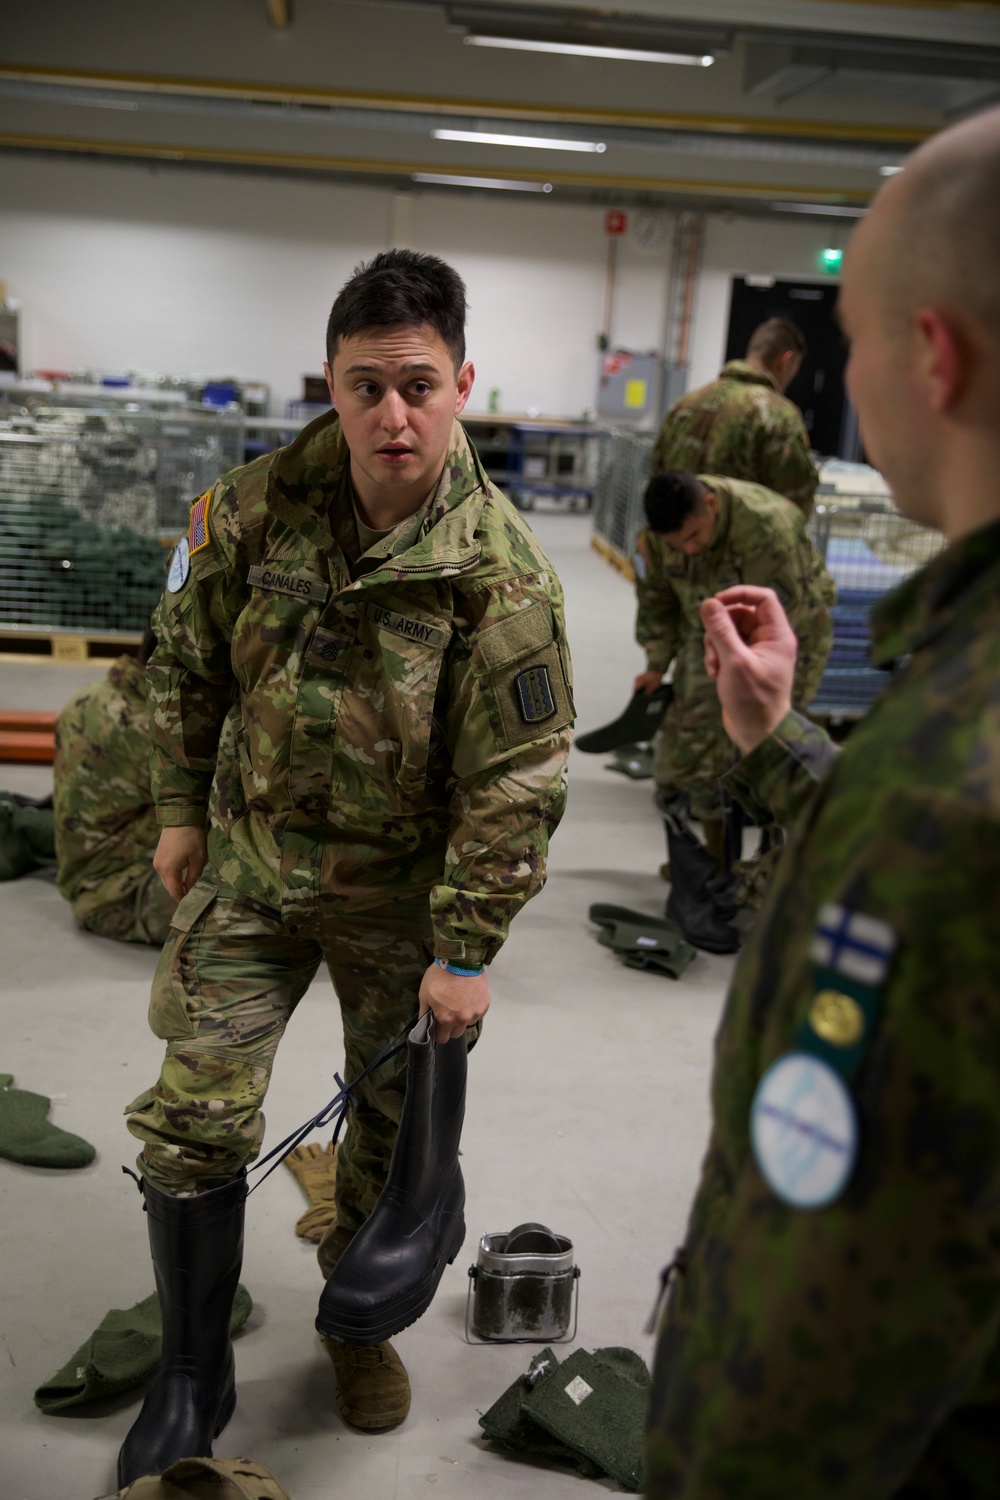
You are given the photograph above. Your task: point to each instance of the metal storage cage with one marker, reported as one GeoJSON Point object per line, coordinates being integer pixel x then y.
{"type": "Point", "coordinates": [867, 545]}
{"type": "Point", "coordinates": [88, 498]}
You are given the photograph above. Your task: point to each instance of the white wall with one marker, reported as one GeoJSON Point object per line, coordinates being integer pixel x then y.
{"type": "Point", "coordinates": [127, 267]}
{"type": "Point", "coordinates": [123, 266]}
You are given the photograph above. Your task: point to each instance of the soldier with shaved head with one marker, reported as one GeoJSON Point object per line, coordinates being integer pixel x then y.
{"type": "Point", "coordinates": [832, 1322]}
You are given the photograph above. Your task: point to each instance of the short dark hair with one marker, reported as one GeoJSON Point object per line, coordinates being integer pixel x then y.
{"type": "Point", "coordinates": [401, 286]}
{"type": "Point", "coordinates": [671, 496]}
{"type": "Point", "coordinates": [775, 337]}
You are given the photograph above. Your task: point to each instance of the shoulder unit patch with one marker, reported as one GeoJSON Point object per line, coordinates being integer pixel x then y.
{"type": "Point", "coordinates": [198, 533]}
{"type": "Point", "coordinates": [535, 697]}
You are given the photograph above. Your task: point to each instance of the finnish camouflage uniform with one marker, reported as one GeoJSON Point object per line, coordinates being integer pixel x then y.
{"type": "Point", "coordinates": [854, 1350]}
{"type": "Point", "coordinates": [105, 823]}
{"type": "Point", "coordinates": [743, 427]}
{"type": "Point", "coordinates": [381, 748]}
{"type": "Point", "coordinates": [758, 538]}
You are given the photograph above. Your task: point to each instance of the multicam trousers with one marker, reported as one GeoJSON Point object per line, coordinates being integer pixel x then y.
{"type": "Point", "coordinates": [229, 978]}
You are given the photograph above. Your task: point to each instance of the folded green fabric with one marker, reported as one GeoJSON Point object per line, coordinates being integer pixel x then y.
{"type": "Point", "coordinates": [596, 1405]}
{"type": "Point", "coordinates": [643, 942]}
{"type": "Point", "coordinates": [506, 1423]}
{"type": "Point", "coordinates": [589, 1411]}
{"type": "Point", "coordinates": [633, 761]}
{"type": "Point", "coordinates": [123, 1352]}
{"type": "Point", "coordinates": [26, 1136]}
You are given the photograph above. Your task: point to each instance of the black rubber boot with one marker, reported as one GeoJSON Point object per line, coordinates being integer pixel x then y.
{"type": "Point", "coordinates": [638, 722]}
{"type": "Point", "coordinates": [387, 1276]}
{"type": "Point", "coordinates": [197, 1249]}
{"type": "Point", "coordinates": [697, 902]}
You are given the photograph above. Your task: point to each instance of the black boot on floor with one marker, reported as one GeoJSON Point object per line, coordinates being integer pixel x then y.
{"type": "Point", "coordinates": [197, 1249]}
{"type": "Point", "coordinates": [387, 1276]}
{"type": "Point", "coordinates": [698, 903]}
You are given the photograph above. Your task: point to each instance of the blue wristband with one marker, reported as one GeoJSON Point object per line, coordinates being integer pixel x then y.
{"type": "Point", "coordinates": [451, 968]}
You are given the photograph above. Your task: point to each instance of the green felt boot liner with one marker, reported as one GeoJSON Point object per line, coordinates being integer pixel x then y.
{"type": "Point", "coordinates": [123, 1352]}
{"type": "Point", "coordinates": [27, 1136]}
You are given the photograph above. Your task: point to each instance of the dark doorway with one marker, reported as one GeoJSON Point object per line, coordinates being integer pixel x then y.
{"type": "Point", "coordinates": [818, 389]}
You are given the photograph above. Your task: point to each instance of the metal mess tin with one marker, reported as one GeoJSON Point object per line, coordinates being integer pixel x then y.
{"type": "Point", "coordinates": [523, 1288]}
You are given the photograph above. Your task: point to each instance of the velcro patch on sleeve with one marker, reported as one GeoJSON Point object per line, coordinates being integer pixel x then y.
{"type": "Point", "coordinates": [527, 630]}
{"type": "Point", "coordinates": [198, 532]}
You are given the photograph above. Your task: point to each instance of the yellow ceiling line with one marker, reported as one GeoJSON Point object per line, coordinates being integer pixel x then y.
{"type": "Point", "coordinates": [359, 165]}
{"type": "Point", "coordinates": [208, 88]}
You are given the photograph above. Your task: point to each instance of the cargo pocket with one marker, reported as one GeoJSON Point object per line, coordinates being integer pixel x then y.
{"type": "Point", "coordinates": [174, 1003]}
{"type": "Point", "coordinates": [527, 684]}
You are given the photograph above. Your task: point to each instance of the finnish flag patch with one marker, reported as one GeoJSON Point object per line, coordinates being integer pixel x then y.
{"type": "Point", "coordinates": [853, 944]}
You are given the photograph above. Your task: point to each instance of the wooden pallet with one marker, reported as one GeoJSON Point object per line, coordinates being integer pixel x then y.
{"type": "Point", "coordinates": [613, 556]}
{"type": "Point", "coordinates": [24, 643]}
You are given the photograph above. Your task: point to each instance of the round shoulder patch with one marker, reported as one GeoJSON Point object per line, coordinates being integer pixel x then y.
{"type": "Point", "coordinates": [640, 565]}
{"type": "Point", "coordinates": [804, 1130]}
{"type": "Point", "coordinates": [180, 567]}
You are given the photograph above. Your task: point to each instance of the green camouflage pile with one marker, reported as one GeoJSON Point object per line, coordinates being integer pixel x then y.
{"type": "Point", "coordinates": [59, 568]}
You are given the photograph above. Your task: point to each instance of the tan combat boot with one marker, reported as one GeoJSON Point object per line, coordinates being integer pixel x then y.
{"type": "Point", "coordinates": [373, 1388]}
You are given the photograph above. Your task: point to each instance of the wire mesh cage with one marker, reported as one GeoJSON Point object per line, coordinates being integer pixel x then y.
{"type": "Point", "coordinates": [868, 548]}
{"type": "Point", "coordinates": [88, 496]}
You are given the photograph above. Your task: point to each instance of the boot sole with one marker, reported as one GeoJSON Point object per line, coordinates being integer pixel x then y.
{"type": "Point", "coordinates": [386, 1322]}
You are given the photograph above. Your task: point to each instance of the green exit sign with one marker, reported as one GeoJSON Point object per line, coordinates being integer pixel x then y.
{"type": "Point", "coordinates": [830, 260]}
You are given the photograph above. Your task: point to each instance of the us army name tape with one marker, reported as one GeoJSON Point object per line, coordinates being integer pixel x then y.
{"type": "Point", "coordinates": [413, 630]}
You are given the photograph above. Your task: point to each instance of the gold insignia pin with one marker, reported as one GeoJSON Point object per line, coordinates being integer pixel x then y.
{"type": "Point", "coordinates": [837, 1018]}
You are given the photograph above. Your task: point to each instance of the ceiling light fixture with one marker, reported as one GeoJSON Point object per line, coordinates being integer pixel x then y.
{"type": "Point", "coordinates": [543, 142]}
{"type": "Point", "coordinates": [889, 171]}
{"type": "Point", "coordinates": [837, 210]}
{"type": "Point", "coordinates": [447, 180]}
{"type": "Point", "coordinates": [583, 49]}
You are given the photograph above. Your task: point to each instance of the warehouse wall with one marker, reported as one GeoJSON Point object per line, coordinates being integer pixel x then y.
{"type": "Point", "coordinates": [130, 267]}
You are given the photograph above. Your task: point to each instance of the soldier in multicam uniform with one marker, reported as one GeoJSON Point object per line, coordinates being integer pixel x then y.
{"type": "Point", "coordinates": [704, 534]}
{"type": "Point", "coordinates": [105, 824]}
{"type": "Point", "coordinates": [742, 425]}
{"type": "Point", "coordinates": [362, 686]}
{"type": "Point", "coordinates": [99, 827]}
{"type": "Point", "coordinates": [834, 1326]}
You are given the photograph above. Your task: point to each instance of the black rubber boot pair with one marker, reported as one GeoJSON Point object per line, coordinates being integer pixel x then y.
{"type": "Point", "coordinates": [197, 1249]}
{"type": "Point", "coordinates": [387, 1276]}
{"type": "Point", "coordinates": [701, 895]}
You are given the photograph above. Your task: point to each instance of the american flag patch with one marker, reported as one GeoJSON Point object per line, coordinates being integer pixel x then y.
{"type": "Point", "coordinates": [198, 536]}
{"type": "Point", "coordinates": [851, 943]}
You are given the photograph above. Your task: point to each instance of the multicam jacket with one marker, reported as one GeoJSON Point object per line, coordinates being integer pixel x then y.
{"type": "Point", "coordinates": [758, 538]}
{"type": "Point", "coordinates": [853, 1349]}
{"type": "Point", "coordinates": [105, 822]}
{"type": "Point", "coordinates": [743, 427]}
{"type": "Point", "coordinates": [353, 734]}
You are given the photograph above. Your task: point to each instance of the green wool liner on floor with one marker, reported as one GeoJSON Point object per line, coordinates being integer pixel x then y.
{"type": "Point", "coordinates": [27, 1137]}
{"type": "Point", "coordinates": [122, 1353]}
{"type": "Point", "coordinates": [589, 1411]}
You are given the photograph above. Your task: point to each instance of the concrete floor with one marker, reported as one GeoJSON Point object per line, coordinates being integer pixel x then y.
{"type": "Point", "coordinates": [587, 1110]}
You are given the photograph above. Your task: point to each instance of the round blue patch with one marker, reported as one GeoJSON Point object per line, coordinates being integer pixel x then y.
{"type": "Point", "coordinates": [639, 564]}
{"type": "Point", "coordinates": [180, 567]}
{"type": "Point", "coordinates": [804, 1130]}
